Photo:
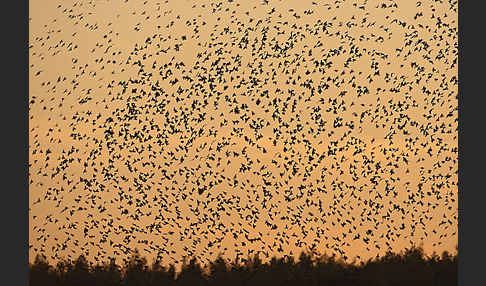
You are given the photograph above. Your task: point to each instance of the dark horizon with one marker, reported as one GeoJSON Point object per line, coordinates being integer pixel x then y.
{"type": "Point", "coordinates": [410, 266]}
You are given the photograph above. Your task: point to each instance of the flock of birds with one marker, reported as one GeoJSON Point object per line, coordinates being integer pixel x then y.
{"type": "Point", "coordinates": [188, 129]}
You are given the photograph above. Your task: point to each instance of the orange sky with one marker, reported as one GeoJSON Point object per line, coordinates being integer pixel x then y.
{"type": "Point", "coordinates": [417, 58]}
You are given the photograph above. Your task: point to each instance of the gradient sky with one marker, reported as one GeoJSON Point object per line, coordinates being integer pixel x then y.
{"type": "Point", "coordinates": [383, 182]}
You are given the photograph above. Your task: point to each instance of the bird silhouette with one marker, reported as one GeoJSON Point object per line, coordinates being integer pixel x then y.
{"type": "Point", "coordinates": [196, 129]}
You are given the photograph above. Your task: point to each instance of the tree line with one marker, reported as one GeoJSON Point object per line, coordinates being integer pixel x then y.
{"type": "Point", "coordinates": [410, 267]}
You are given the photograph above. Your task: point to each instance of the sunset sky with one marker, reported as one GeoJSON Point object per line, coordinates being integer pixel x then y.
{"type": "Point", "coordinates": [191, 128]}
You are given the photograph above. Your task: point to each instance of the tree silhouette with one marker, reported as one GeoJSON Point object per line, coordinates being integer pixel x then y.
{"type": "Point", "coordinates": [161, 275]}
{"type": "Point", "coordinates": [41, 272]}
{"type": "Point", "coordinates": [191, 274]}
{"type": "Point", "coordinates": [108, 274]}
{"type": "Point", "coordinates": [219, 274]}
{"type": "Point", "coordinates": [136, 271]}
{"type": "Point", "coordinates": [410, 267]}
{"type": "Point", "coordinates": [80, 274]}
